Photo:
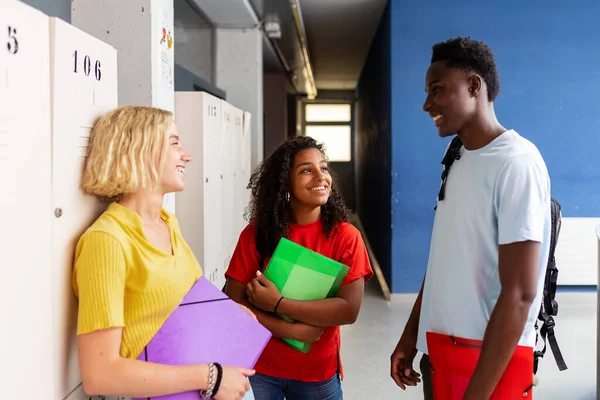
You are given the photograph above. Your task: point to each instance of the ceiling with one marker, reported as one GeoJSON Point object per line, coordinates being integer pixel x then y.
{"type": "Point", "coordinates": [339, 37]}
{"type": "Point", "coordinates": [187, 16]}
{"type": "Point", "coordinates": [323, 43]}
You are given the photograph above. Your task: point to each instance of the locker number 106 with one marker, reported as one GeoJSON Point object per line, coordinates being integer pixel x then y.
{"type": "Point", "coordinates": [87, 66]}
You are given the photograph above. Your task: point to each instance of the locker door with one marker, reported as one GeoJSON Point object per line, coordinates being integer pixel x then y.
{"type": "Point", "coordinates": [169, 203]}
{"type": "Point", "coordinates": [198, 117]}
{"type": "Point", "coordinates": [190, 204]}
{"type": "Point", "coordinates": [239, 181]}
{"type": "Point", "coordinates": [25, 230]}
{"type": "Point", "coordinates": [84, 87]}
{"type": "Point", "coordinates": [227, 212]}
{"type": "Point", "coordinates": [245, 156]}
{"type": "Point", "coordinates": [212, 189]}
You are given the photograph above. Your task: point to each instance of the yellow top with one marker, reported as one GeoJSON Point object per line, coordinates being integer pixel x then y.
{"type": "Point", "coordinates": [122, 280]}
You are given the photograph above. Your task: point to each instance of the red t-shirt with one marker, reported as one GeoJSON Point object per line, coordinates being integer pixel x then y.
{"type": "Point", "coordinates": [345, 244]}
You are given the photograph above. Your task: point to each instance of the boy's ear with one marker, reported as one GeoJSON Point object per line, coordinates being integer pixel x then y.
{"type": "Point", "coordinates": [475, 85]}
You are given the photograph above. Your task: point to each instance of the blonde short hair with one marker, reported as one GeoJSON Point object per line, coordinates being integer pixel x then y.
{"type": "Point", "coordinates": [126, 152]}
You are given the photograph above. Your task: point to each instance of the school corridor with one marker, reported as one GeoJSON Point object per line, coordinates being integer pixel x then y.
{"type": "Point", "coordinates": [242, 77]}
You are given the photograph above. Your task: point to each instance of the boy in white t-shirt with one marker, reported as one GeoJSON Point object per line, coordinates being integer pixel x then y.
{"type": "Point", "coordinates": [491, 233]}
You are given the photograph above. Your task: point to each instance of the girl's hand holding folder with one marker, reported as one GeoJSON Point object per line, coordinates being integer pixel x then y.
{"type": "Point", "coordinates": [262, 293]}
{"type": "Point", "coordinates": [248, 311]}
{"type": "Point", "coordinates": [234, 384]}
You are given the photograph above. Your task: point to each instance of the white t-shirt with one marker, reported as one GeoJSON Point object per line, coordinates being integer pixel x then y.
{"type": "Point", "coordinates": [495, 195]}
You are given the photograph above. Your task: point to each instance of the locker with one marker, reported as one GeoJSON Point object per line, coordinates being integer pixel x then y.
{"type": "Point", "coordinates": [25, 198]}
{"type": "Point", "coordinates": [240, 182]}
{"type": "Point", "coordinates": [245, 160]}
{"type": "Point", "coordinates": [199, 206]}
{"type": "Point", "coordinates": [83, 87]}
{"type": "Point", "coordinates": [227, 195]}
{"type": "Point", "coordinates": [169, 202]}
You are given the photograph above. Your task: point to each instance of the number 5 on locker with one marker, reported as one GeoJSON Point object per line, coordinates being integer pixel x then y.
{"type": "Point", "coordinates": [84, 87]}
{"type": "Point", "coordinates": [13, 43]}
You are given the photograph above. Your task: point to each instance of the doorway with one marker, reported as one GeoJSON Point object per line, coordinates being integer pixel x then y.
{"type": "Point", "coordinates": [332, 123]}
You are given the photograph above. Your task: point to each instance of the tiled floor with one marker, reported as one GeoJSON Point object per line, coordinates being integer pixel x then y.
{"type": "Point", "coordinates": [368, 344]}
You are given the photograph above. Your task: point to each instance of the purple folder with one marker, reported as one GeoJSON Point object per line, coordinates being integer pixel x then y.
{"type": "Point", "coordinates": [206, 327]}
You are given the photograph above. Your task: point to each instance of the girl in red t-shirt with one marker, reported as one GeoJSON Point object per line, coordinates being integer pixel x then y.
{"type": "Point", "coordinates": [295, 196]}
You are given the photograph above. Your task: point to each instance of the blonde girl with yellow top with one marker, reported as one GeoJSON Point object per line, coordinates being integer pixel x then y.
{"type": "Point", "coordinates": [132, 266]}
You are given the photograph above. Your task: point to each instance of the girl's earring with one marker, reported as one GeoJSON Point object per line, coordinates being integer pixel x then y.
{"type": "Point", "coordinates": [287, 196]}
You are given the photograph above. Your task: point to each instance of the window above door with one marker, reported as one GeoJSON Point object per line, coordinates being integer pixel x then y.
{"type": "Point", "coordinates": [330, 124]}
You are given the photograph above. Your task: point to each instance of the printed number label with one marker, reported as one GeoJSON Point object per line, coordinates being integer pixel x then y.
{"type": "Point", "coordinates": [87, 66]}
{"type": "Point", "coordinates": [212, 111]}
{"type": "Point", "coordinates": [13, 44]}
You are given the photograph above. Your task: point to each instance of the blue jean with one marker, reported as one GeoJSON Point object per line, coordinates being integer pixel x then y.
{"type": "Point", "coordinates": [270, 388]}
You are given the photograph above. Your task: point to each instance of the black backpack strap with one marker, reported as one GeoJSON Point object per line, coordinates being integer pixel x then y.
{"type": "Point", "coordinates": [549, 307]}
{"type": "Point", "coordinates": [451, 155]}
{"type": "Point", "coordinates": [547, 331]}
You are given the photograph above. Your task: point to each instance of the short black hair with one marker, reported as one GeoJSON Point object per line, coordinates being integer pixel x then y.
{"type": "Point", "coordinates": [470, 54]}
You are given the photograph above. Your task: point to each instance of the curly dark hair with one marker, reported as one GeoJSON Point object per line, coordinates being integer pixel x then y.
{"type": "Point", "coordinates": [472, 55]}
{"type": "Point", "coordinates": [269, 208]}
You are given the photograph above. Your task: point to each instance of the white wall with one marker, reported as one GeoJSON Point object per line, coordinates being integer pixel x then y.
{"type": "Point", "coordinates": [194, 51]}
{"type": "Point", "coordinates": [577, 252]}
{"type": "Point", "coordinates": [126, 26]}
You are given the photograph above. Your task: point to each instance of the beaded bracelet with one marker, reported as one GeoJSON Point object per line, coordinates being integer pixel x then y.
{"type": "Point", "coordinates": [208, 393]}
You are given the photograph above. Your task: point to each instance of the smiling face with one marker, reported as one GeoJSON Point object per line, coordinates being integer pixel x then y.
{"type": "Point", "coordinates": [451, 97]}
{"type": "Point", "coordinates": [176, 158]}
{"type": "Point", "coordinates": [310, 181]}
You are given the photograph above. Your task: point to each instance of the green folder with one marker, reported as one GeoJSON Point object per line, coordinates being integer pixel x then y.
{"type": "Point", "coordinates": [302, 274]}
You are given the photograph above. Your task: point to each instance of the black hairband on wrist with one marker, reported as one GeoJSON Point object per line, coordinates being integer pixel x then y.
{"type": "Point", "coordinates": [219, 378]}
{"type": "Point", "coordinates": [277, 305]}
